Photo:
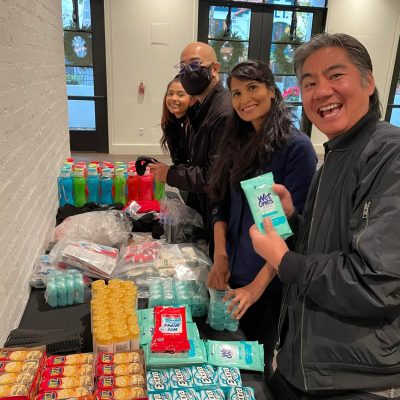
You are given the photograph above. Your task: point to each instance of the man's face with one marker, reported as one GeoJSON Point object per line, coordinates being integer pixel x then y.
{"type": "Point", "coordinates": [197, 55]}
{"type": "Point", "coordinates": [335, 96]}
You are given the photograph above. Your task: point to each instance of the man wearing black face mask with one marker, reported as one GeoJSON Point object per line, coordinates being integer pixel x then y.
{"type": "Point", "coordinates": [198, 70]}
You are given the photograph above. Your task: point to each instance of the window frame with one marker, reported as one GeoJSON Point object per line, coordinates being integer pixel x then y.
{"type": "Point", "coordinates": [392, 92]}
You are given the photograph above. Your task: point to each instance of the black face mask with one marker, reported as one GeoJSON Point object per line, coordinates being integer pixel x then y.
{"type": "Point", "coordinates": [194, 82]}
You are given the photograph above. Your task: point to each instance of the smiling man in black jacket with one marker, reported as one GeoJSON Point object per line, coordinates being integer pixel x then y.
{"type": "Point", "coordinates": [340, 319]}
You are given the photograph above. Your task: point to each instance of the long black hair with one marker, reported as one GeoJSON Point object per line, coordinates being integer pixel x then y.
{"type": "Point", "coordinates": [242, 149]}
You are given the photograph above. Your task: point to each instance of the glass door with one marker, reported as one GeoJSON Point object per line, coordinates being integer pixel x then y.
{"type": "Point", "coordinates": [83, 24]}
{"type": "Point", "coordinates": [267, 30]}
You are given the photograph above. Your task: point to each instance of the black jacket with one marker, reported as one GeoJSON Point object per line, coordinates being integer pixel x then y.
{"type": "Point", "coordinates": [177, 133]}
{"type": "Point", "coordinates": [208, 126]}
{"type": "Point", "coordinates": [341, 309]}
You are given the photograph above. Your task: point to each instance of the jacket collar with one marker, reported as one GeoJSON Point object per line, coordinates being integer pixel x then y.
{"type": "Point", "coordinates": [353, 134]}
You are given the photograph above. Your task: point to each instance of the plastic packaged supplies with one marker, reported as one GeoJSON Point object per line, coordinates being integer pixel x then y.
{"type": "Point", "coordinates": [218, 316]}
{"type": "Point", "coordinates": [108, 228]}
{"type": "Point", "coordinates": [264, 202]}
{"type": "Point", "coordinates": [241, 393]}
{"type": "Point", "coordinates": [242, 354]}
{"type": "Point", "coordinates": [94, 259]}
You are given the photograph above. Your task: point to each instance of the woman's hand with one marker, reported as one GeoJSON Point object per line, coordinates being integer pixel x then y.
{"type": "Point", "coordinates": [242, 299]}
{"type": "Point", "coordinates": [219, 274]}
{"type": "Point", "coordinates": [160, 171]}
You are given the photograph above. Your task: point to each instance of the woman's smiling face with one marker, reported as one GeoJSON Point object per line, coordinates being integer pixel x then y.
{"type": "Point", "coordinates": [251, 100]}
{"type": "Point", "coordinates": [177, 100]}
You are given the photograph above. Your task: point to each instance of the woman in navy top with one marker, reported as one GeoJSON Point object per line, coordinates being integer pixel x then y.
{"type": "Point", "coordinates": [262, 139]}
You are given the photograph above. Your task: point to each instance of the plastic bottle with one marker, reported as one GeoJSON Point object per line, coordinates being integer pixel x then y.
{"type": "Point", "coordinates": [93, 182]}
{"type": "Point", "coordinates": [159, 190]}
{"type": "Point", "coordinates": [79, 183]}
{"type": "Point", "coordinates": [106, 187]}
{"type": "Point", "coordinates": [119, 186]}
{"type": "Point", "coordinates": [65, 188]}
{"type": "Point", "coordinates": [121, 339]}
{"type": "Point", "coordinates": [146, 186]}
{"type": "Point", "coordinates": [133, 186]}
{"type": "Point", "coordinates": [104, 342]}
{"type": "Point", "coordinates": [134, 335]}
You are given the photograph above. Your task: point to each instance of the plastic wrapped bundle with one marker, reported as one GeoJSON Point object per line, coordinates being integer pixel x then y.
{"type": "Point", "coordinates": [218, 316]}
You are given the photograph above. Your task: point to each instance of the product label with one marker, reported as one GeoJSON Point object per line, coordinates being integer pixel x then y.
{"type": "Point", "coordinates": [171, 323]}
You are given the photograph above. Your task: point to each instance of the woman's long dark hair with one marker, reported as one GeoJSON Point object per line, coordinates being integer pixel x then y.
{"type": "Point", "coordinates": [242, 149]}
{"type": "Point", "coordinates": [168, 119]}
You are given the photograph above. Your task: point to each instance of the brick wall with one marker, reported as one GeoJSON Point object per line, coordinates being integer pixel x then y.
{"type": "Point", "coordinates": [33, 142]}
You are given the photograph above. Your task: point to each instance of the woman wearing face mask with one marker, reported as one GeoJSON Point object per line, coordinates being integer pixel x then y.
{"type": "Point", "coordinates": [175, 123]}
{"type": "Point", "coordinates": [262, 139]}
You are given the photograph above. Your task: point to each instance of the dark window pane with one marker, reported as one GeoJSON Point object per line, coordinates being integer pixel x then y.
{"type": "Point", "coordinates": [78, 49]}
{"type": "Point", "coordinates": [67, 11]}
{"type": "Point", "coordinates": [240, 23]}
{"type": "Point", "coordinates": [223, 77]}
{"type": "Point", "coordinates": [281, 26]}
{"type": "Point", "coordinates": [85, 22]}
{"type": "Point", "coordinates": [312, 3]}
{"type": "Point", "coordinates": [81, 115]}
{"type": "Point", "coordinates": [296, 111]}
{"type": "Point", "coordinates": [284, 2]}
{"type": "Point", "coordinates": [281, 58]}
{"type": "Point", "coordinates": [396, 99]}
{"type": "Point", "coordinates": [79, 81]}
{"type": "Point", "coordinates": [252, 1]}
{"type": "Point", "coordinates": [229, 52]}
{"type": "Point", "coordinates": [395, 117]}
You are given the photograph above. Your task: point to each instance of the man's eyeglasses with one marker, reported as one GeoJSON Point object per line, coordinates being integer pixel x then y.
{"type": "Point", "coordinates": [194, 65]}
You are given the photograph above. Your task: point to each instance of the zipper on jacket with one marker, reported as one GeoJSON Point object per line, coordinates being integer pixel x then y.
{"type": "Point", "coordinates": [308, 252]}
{"type": "Point", "coordinates": [365, 215]}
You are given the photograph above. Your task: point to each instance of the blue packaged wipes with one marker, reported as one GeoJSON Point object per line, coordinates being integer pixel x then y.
{"type": "Point", "coordinates": [181, 378]}
{"type": "Point", "coordinates": [157, 380]}
{"type": "Point", "coordinates": [241, 393]}
{"type": "Point", "coordinates": [228, 377]}
{"type": "Point", "coordinates": [211, 394]}
{"type": "Point", "coordinates": [184, 394]}
{"type": "Point", "coordinates": [264, 202]}
{"type": "Point", "coordinates": [204, 377]}
{"type": "Point", "coordinates": [243, 354]}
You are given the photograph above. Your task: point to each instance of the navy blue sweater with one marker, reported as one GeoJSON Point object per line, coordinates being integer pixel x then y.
{"type": "Point", "coordinates": [292, 166]}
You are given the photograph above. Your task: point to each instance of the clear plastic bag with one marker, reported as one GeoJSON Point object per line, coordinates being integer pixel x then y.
{"type": "Point", "coordinates": [181, 223]}
{"type": "Point", "coordinates": [108, 228]}
{"type": "Point", "coordinates": [95, 260]}
{"type": "Point", "coordinates": [43, 266]}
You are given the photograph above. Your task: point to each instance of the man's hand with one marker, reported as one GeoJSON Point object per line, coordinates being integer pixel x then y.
{"type": "Point", "coordinates": [160, 171]}
{"type": "Point", "coordinates": [286, 199]}
{"type": "Point", "coordinates": [271, 247]}
{"type": "Point", "coordinates": [219, 273]}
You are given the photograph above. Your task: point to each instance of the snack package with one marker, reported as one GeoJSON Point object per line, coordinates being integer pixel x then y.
{"type": "Point", "coordinates": [211, 394]}
{"type": "Point", "coordinates": [204, 377]}
{"type": "Point", "coordinates": [158, 380]}
{"type": "Point", "coordinates": [120, 358]}
{"type": "Point", "coordinates": [128, 393]}
{"type": "Point", "coordinates": [228, 377]}
{"type": "Point", "coordinates": [18, 366]}
{"type": "Point", "coordinates": [111, 382]}
{"type": "Point", "coordinates": [120, 369]}
{"type": "Point", "coordinates": [241, 393]}
{"type": "Point", "coordinates": [24, 378]}
{"type": "Point", "coordinates": [264, 202]}
{"type": "Point", "coordinates": [68, 370]}
{"type": "Point", "coordinates": [66, 383]}
{"type": "Point", "coordinates": [14, 390]}
{"type": "Point", "coordinates": [170, 333]}
{"type": "Point", "coordinates": [63, 393]}
{"type": "Point", "coordinates": [181, 378]}
{"type": "Point", "coordinates": [242, 354]}
{"type": "Point", "coordinates": [20, 355]}
{"type": "Point", "coordinates": [72, 359]}
{"type": "Point", "coordinates": [184, 394]}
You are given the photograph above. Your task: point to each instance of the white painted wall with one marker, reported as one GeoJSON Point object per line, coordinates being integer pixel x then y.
{"type": "Point", "coordinates": [144, 40]}
{"type": "Point", "coordinates": [376, 24]}
{"type": "Point", "coordinates": [34, 141]}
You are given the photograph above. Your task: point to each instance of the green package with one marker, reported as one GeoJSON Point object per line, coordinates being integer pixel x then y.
{"type": "Point", "coordinates": [241, 354]}
{"type": "Point", "coordinates": [264, 202]}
